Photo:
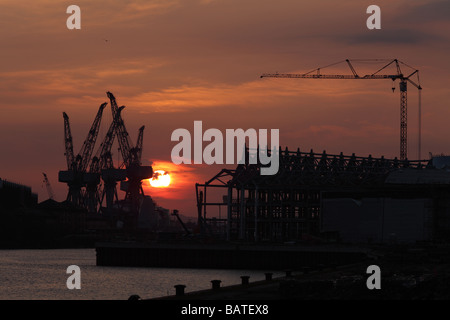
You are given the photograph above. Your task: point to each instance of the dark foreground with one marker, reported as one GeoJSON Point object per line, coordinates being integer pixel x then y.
{"type": "Point", "coordinates": [406, 274]}
{"type": "Point", "coordinates": [225, 255]}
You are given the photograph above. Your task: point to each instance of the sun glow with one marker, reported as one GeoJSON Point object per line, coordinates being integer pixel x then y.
{"type": "Point", "coordinates": [160, 179]}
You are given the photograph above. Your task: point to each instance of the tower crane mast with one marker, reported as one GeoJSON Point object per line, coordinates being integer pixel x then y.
{"type": "Point", "coordinates": [399, 75]}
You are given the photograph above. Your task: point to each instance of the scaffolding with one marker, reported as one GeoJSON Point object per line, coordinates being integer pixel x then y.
{"type": "Point", "coordinates": [287, 206]}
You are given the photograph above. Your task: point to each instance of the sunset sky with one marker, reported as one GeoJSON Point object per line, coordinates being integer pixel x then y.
{"type": "Point", "coordinates": [171, 62]}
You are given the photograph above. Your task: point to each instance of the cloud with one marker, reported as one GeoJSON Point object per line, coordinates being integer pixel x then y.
{"type": "Point", "coordinates": [65, 86]}
{"type": "Point", "coordinates": [390, 37]}
{"type": "Point", "coordinates": [257, 94]}
{"type": "Point", "coordinates": [433, 11]}
{"type": "Point", "coordinates": [201, 96]}
{"type": "Point", "coordinates": [360, 130]}
{"type": "Point", "coordinates": [406, 23]}
{"type": "Point", "coordinates": [175, 61]}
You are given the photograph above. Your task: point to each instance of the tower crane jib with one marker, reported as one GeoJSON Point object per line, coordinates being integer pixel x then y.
{"type": "Point", "coordinates": [399, 75]}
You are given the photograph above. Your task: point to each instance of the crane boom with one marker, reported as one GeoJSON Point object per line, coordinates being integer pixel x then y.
{"type": "Point", "coordinates": [327, 76]}
{"type": "Point", "coordinates": [126, 149]}
{"type": "Point", "coordinates": [103, 158]}
{"type": "Point", "coordinates": [84, 156]}
{"type": "Point", "coordinates": [48, 186]}
{"type": "Point", "coordinates": [403, 79]}
{"type": "Point", "coordinates": [139, 144]}
{"type": "Point", "coordinates": [68, 142]}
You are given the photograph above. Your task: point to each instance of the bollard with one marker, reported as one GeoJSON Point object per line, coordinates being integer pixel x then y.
{"type": "Point", "coordinates": [179, 289]}
{"type": "Point", "coordinates": [245, 279]}
{"type": "Point", "coordinates": [134, 297]}
{"type": "Point", "coordinates": [268, 276]}
{"type": "Point", "coordinates": [216, 284]}
{"type": "Point", "coordinates": [288, 273]}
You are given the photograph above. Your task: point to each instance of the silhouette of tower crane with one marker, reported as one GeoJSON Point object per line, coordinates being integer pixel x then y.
{"type": "Point", "coordinates": [399, 75]}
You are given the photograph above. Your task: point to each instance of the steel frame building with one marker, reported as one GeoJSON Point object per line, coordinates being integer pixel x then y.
{"type": "Point", "coordinates": [288, 205]}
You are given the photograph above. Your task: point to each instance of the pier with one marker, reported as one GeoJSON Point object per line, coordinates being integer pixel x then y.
{"type": "Point", "coordinates": [225, 256]}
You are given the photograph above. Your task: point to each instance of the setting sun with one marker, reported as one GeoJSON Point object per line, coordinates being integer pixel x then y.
{"type": "Point", "coordinates": [160, 178]}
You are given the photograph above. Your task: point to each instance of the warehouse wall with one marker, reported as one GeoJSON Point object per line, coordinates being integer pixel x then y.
{"type": "Point", "coordinates": [378, 220]}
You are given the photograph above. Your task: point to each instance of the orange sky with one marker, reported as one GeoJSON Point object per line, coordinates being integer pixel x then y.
{"type": "Point", "coordinates": [175, 61]}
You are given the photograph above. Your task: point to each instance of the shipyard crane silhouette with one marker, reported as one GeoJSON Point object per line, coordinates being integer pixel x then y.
{"type": "Point", "coordinates": [77, 165]}
{"type": "Point", "coordinates": [399, 75]}
{"type": "Point", "coordinates": [89, 188]}
{"type": "Point", "coordinates": [131, 156]}
{"type": "Point", "coordinates": [102, 165]}
{"type": "Point", "coordinates": [48, 186]}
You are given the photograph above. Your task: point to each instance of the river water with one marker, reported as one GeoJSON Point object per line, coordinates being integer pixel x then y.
{"type": "Point", "coordinates": [41, 275]}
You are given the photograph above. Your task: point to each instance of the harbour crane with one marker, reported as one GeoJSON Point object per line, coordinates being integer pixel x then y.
{"type": "Point", "coordinates": [76, 165]}
{"type": "Point", "coordinates": [399, 75]}
{"type": "Point", "coordinates": [84, 156]}
{"type": "Point", "coordinates": [129, 153]}
{"type": "Point", "coordinates": [139, 144]}
{"type": "Point", "coordinates": [69, 176]}
{"type": "Point", "coordinates": [102, 165]}
{"type": "Point", "coordinates": [103, 156]}
{"type": "Point", "coordinates": [131, 156]}
{"type": "Point", "coordinates": [68, 143]}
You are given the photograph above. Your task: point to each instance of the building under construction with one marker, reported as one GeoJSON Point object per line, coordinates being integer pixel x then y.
{"type": "Point", "coordinates": [318, 196]}
{"type": "Point", "coordinates": [323, 197]}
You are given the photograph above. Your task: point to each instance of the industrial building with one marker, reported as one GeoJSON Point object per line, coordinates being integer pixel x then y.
{"type": "Point", "coordinates": [318, 197]}
{"type": "Point", "coordinates": [15, 195]}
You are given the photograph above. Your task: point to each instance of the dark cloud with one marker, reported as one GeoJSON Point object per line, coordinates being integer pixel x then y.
{"type": "Point", "coordinates": [390, 36]}
{"type": "Point", "coordinates": [410, 24]}
{"type": "Point", "coordinates": [428, 12]}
